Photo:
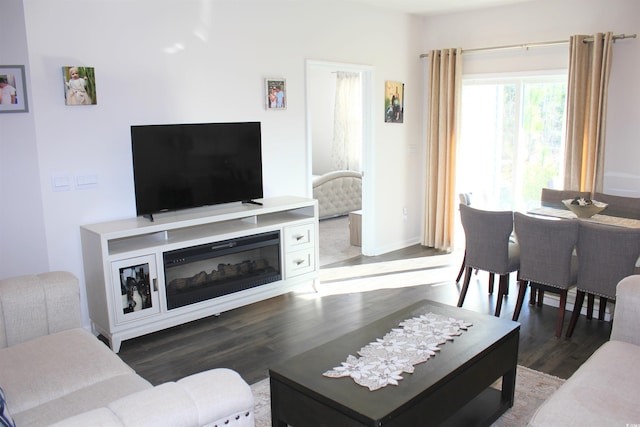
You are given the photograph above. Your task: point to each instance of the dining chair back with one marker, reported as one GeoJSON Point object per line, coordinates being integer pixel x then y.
{"type": "Point", "coordinates": [465, 199]}
{"type": "Point", "coordinates": [553, 198]}
{"type": "Point", "coordinates": [620, 206]}
{"type": "Point", "coordinates": [547, 262]}
{"type": "Point", "coordinates": [488, 248]}
{"type": "Point", "coordinates": [606, 255]}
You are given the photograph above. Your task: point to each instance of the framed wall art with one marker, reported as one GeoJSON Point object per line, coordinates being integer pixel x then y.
{"type": "Point", "coordinates": [275, 95]}
{"type": "Point", "coordinates": [79, 85]}
{"type": "Point", "coordinates": [393, 102]}
{"type": "Point", "coordinates": [13, 89]}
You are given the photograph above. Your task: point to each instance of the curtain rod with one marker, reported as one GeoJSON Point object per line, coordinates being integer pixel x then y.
{"type": "Point", "coordinates": [536, 44]}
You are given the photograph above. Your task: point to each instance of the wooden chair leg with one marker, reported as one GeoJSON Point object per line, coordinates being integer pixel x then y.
{"type": "Point", "coordinates": [532, 295]}
{"type": "Point", "coordinates": [491, 280]}
{"type": "Point", "coordinates": [540, 297]}
{"type": "Point", "coordinates": [602, 308]}
{"type": "Point", "coordinates": [461, 267]}
{"type": "Point", "coordinates": [503, 285]}
{"type": "Point", "coordinates": [522, 289]}
{"type": "Point", "coordinates": [465, 286]}
{"type": "Point", "coordinates": [590, 300]}
{"type": "Point", "coordinates": [576, 312]}
{"type": "Point", "coordinates": [561, 310]}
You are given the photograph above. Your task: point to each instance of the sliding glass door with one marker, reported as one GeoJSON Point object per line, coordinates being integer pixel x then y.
{"type": "Point", "coordinates": [512, 138]}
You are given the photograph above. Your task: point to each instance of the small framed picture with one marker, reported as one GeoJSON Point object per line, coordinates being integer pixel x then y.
{"type": "Point", "coordinates": [13, 89]}
{"type": "Point", "coordinates": [276, 90]}
{"type": "Point", "coordinates": [393, 102]}
{"type": "Point", "coordinates": [79, 85]}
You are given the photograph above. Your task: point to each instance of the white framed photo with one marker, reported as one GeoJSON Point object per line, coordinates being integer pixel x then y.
{"type": "Point", "coordinates": [276, 93]}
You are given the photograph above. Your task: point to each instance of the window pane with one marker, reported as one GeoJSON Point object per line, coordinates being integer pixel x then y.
{"type": "Point", "coordinates": [512, 140]}
{"type": "Point", "coordinates": [543, 137]}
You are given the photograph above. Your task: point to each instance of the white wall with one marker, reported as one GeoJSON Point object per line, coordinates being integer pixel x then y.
{"type": "Point", "coordinates": [23, 245]}
{"type": "Point", "coordinates": [225, 50]}
{"type": "Point", "coordinates": [549, 20]}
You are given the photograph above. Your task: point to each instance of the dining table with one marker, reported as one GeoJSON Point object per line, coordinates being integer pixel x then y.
{"type": "Point", "coordinates": [600, 218]}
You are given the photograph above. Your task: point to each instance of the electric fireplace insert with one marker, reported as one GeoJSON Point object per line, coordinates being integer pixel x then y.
{"type": "Point", "coordinates": [199, 273]}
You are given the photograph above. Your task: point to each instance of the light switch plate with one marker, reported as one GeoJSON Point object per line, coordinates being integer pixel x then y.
{"type": "Point", "coordinates": [61, 183]}
{"type": "Point", "coordinates": [86, 181]}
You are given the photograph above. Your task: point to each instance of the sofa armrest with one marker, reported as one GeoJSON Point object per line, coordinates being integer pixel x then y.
{"type": "Point", "coordinates": [626, 318]}
{"type": "Point", "coordinates": [215, 397]}
{"type": "Point", "coordinates": [37, 305]}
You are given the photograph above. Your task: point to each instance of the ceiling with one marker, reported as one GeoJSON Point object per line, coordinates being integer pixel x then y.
{"type": "Point", "coordinates": [432, 7]}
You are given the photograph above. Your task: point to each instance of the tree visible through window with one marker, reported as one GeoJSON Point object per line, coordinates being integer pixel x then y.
{"type": "Point", "coordinates": [512, 139]}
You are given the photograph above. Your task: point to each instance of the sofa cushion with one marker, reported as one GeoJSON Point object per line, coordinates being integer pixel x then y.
{"type": "Point", "coordinates": [5, 417]}
{"type": "Point", "coordinates": [36, 305]}
{"type": "Point", "coordinates": [50, 367]}
{"type": "Point", "coordinates": [602, 392]}
{"type": "Point", "coordinates": [101, 417]}
{"type": "Point", "coordinates": [87, 399]}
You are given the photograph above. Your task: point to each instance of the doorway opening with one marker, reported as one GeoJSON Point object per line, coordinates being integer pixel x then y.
{"type": "Point", "coordinates": [339, 129]}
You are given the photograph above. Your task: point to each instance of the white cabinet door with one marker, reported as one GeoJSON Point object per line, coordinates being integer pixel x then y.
{"type": "Point", "coordinates": [135, 288]}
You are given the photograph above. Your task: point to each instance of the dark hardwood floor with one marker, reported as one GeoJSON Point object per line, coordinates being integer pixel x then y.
{"type": "Point", "coordinates": [250, 339]}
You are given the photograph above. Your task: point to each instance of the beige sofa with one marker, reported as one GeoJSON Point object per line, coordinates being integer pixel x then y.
{"type": "Point", "coordinates": [54, 372]}
{"type": "Point", "coordinates": [602, 392]}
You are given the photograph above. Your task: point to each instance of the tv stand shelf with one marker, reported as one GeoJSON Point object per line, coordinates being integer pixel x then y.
{"type": "Point", "coordinates": [136, 247]}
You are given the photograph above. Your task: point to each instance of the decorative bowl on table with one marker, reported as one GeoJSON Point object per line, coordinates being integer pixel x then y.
{"type": "Point", "coordinates": [584, 208]}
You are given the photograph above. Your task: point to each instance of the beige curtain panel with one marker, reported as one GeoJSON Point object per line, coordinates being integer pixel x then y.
{"type": "Point", "coordinates": [444, 84]}
{"type": "Point", "coordinates": [589, 71]}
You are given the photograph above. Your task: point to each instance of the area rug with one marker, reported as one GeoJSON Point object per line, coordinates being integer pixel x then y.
{"type": "Point", "coordinates": [532, 388]}
{"type": "Point", "coordinates": [335, 241]}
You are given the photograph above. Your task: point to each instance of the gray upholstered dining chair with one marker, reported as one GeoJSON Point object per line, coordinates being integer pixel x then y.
{"type": "Point", "coordinates": [465, 199]}
{"type": "Point", "coordinates": [553, 198]}
{"type": "Point", "coordinates": [606, 255]}
{"type": "Point", "coordinates": [488, 248]}
{"type": "Point", "coordinates": [620, 206]}
{"type": "Point", "coordinates": [547, 262]}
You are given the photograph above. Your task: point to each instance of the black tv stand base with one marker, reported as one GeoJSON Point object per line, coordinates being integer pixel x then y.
{"type": "Point", "coordinates": [251, 202]}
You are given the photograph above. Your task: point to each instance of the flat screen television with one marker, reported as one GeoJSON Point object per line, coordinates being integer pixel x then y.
{"type": "Point", "coordinates": [181, 166]}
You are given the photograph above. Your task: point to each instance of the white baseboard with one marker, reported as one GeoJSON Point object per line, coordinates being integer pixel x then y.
{"type": "Point", "coordinates": [553, 300]}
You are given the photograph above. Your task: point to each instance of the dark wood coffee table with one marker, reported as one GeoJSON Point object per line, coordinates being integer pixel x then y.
{"type": "Point", "coordinates": [452, 388]}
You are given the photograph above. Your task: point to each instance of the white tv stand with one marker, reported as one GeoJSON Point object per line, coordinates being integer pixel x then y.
{"type": "Point", "coordinates": [137, 247]}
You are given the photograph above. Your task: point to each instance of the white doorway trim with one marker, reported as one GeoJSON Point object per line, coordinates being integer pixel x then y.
{"type": "Point", "coordinates": [367, 141]}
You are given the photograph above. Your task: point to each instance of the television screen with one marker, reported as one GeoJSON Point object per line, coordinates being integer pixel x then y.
{"type": "Point", "coordinates": [183, 166]}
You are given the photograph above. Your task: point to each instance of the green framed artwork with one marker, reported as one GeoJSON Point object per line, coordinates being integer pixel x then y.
{"type": "Point", "coordinates": [79, 85]}
{"type": "Point", "coordinates": [393, 102]}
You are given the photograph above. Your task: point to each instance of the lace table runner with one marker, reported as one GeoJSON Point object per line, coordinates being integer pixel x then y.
{"type": "Point", "coordinates": [415, 341]}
